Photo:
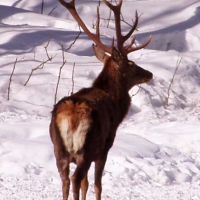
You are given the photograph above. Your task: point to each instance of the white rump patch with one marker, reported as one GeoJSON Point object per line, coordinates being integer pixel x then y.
{"type": "Point", "coordinates": [80, 134]}
{"type": "Point", "coordinates": [66, 134]}
{"type": "Point", "coordinates": [73, 141]}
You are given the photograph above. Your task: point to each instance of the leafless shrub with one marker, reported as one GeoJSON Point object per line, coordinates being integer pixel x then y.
{"type": "Point", "coordinates": [41, 65]}
{"type": "Point", "coordinates": [170, 85]}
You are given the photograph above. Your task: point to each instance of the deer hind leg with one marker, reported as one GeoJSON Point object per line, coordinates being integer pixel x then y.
{"type": "Point", "coordinates": [63, 167]}
{"type": "Point", "coordinates": [84, 187]}
{"type": "Point", "coordinates": [99, 167]}
{"type": "Point", "coordinates": [79, 178]}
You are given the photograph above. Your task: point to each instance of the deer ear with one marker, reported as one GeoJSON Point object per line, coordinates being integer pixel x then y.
{"type": "Point", "coordinates": [99, 53]}
{"type": "Point", "coordinates": [116, 55]}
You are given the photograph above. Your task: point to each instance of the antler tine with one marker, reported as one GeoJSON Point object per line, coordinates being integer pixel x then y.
{"type": "Point", "coordinates": [131, 49]}
{"type": "Point", "coordinates": [132, 42]}
{"type": "Point", "coordinates": [98, 22]}
{"type": "Point", "coordinates": [117, 10]}
{"type": "Point", "coordinates": [113, 7]}
{"type": "Point", "coordinates": [133, 28]}
{"type": "Point", "coordinates": [95, 37]}
{"type": "Point", "coordinates": [69, 5]}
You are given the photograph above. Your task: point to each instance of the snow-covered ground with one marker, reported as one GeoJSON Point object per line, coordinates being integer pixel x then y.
{"type": "Point", "coordinates": [156, 154]}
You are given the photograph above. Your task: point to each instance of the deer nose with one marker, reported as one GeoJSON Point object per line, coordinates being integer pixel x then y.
{"type": "Point", "coordinates": [150, 75]}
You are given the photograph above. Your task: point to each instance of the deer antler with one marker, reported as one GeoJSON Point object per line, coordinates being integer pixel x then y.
{"type": "Point", "coordinates": [95, 37]}
{"type": "Point", "coordinates": [122, 38]}
{"type": "Point", "coordinates": [124, 50]}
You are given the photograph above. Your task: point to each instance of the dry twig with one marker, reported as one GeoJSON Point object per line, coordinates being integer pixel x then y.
{"type": "Point", "coordinates": [74, 39]}
{"type": "Point", "coordinates": [72, 92]}
{"type": "Point", "coordinates": [139, 87]}
{"type": "Point", "coordinates": [10, 80]}
{"type": "Point", "coordinates": [170, 85]}
{"type": "Point", "coordinates": [52, 11]}
{"type": "Point", "coordinates": [49, 58]}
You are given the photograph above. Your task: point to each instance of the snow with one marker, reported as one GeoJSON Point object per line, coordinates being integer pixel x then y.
{"type": "Point", "coordinates": [156, 154]}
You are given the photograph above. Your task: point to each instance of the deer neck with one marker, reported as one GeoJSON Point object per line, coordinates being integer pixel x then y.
{"type": "Point", "coordinates": [111, 81]}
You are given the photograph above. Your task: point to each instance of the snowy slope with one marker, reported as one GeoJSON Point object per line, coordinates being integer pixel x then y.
{"type": "Point", "coordinates": [156, 154]}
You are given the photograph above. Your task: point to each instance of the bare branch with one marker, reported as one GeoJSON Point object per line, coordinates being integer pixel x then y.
{"type": "Point", "coordinates": [109, 18]}
{"type": "Point", "coordinates": [10, 80]}
{"type": "Point", "coordinates": [42, 7]}
{"type": "Point", "coordinates": [72, 92]}
{"type": "Point", "coordinates": [41, 66]}
{"type": "Point", "coordinates": [52, 11]}
{"type": "Point", "coordinates": [34, 69]}
{"type": "Point", "coordinates": [49, 58]}
{"type": "Point", "coordinates": [75, 39]}
{"type": "Point", "coordinates": [59, 75]}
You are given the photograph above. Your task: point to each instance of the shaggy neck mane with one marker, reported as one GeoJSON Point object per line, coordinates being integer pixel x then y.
{"type": "Point", "coordinates": [110, 81]}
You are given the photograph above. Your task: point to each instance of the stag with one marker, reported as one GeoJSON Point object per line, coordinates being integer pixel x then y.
{"type": "Point", "coordinates": [84, 125]}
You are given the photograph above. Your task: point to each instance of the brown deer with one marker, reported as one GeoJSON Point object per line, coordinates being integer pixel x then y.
{"type": "Point", "coordinates": [84, 125]}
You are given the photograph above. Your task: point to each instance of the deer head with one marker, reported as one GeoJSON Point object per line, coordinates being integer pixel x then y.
{"type": "Point", "coordinates": [84, 125]}
{"type": "Point", "coordinates": [127, 71]}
